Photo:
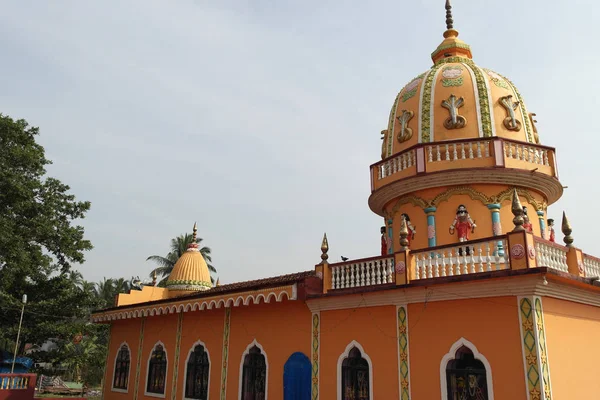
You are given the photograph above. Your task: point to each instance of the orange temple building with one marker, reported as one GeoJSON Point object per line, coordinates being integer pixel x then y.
{"type": "Point", "coordinates": [482, 304]}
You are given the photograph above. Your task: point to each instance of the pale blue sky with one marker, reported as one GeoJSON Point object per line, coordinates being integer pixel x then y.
{"type": "Point", "coordinates": [259, 119]}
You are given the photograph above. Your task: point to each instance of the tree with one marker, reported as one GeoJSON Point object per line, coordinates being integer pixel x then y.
{"type": "Point", "coordinates": [39, 242]}
{"type": "Point", "coordinates": [178, 247]}
{"type": "Point", "coordinates": [108, 289]}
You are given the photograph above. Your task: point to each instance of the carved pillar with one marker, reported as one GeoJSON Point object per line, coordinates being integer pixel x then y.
{"type": "Point", "coordinates": [430, 211]}
{"type": "Point", "coordinates": [390, 235]}
{"type": "Point", "coordinates": [540, 214]}
{"type": "Point", "coordinates": [496, 225]}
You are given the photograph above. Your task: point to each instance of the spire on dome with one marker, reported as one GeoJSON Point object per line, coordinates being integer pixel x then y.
{"type": "Point", "coordinates": [449, 20]}
{"type": "Point", "coordinates": [193, 246]}
{"type": "Point", "coordinates": [452, 46]}
{"type": "Point", "coordinates": [195, 230]}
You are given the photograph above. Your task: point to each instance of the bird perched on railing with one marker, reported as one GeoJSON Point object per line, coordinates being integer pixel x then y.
{"type": "Point", "coordinates": [344, 259]}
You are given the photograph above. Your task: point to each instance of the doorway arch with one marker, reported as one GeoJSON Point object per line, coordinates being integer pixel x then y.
{"type": "Point", "coordinates": [297, 377]}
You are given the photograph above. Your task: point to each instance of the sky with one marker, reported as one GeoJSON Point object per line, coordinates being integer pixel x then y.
{"type": "Point", "coordinates": [259, 119]}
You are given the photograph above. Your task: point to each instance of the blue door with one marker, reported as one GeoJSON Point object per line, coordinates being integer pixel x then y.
{"type": "Point", "coordinates": [296, 377]}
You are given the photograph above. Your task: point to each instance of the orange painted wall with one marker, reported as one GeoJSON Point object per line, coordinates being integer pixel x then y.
{"type": "Point", "coordinates": [446, 212]}
{"type": "Point", "coordinates": [207, 326]}
{"type": "Point", "coordinates": [492, 325]}
{"type": "Point", "coordinates": [375, 329]}
{"type": "Point", "coordinates": [572, 332]}
{"type": "Point", "coordinates": [280, 328]}
{"type": "Point", "coordinates": [158, 328]}
{"type": "Point", "coordinates": [127, 331]}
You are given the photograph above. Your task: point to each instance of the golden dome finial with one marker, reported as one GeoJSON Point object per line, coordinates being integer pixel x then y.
{"type": "Point", "coordinates": [449, 20]}
{"type": "Point", "coordinates": [324, 249]}
{"type": "Point", "coordinates": [195, 231]}
{"type": "Point", "coordinates": [517, 210]}
{"type": "Point", "coordinates": [403, 233]}
{"type": "Point", "coordinates": [567, 230]}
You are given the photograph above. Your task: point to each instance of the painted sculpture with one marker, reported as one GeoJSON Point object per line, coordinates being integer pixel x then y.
{"type": "Point", "coordinates": [510, 122]}
{"type": "Point", "coordinates": [405, 132]}
{"type": "Point", "coordinates": [462, 224]}
{"type": "Point", "coordinates": [412, 230]}
{"type": "Point", "coordinates": [386, 242]}
{"type": "Point", "coordinates": [454, 121]}
{"type": "Point", "coordinates": [551, 229]}
{"type": "Point", "coordinates": [526, 222]}
{"type": "Point", "coordinates": [384, 142]}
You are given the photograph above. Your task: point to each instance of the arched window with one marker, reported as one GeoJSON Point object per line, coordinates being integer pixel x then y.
{"type": "Point", "coordinates": [157, 371]}
{"type": "Point", "coordinates": [197, 370]}
{"type": "Point", "coordinates": [355, 376]}
{"type": "Point", "coordinates": [465, 374]}
{"type": "Point", "coordinates": [254, 374]}
{"type": "Point", "coordinates": [121, 373]}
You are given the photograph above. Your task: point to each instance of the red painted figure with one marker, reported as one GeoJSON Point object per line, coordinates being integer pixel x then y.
{"type": "Point", "coordinates": [385, 242]}
{"type": "Point", "coordinates": [526, 222]}
{"type": "Point", "coordinates": [463, 224]}
{"type": "Point", "coordinates": [551, 228]}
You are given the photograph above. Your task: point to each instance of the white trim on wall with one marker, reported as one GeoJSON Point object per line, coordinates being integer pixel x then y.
{"type": "Point", "coordinates": [247, 351]}
{"type": "Point", "coordinates": [341, 359]}
{"type": "Point", "coordinates": [112, 384]}
{"type": "Point", "coordinates": [186, 364]}
{"type": "Point", "coordinates": [478, 356]}
{"type": "Point", "coordinates": [146, 393]}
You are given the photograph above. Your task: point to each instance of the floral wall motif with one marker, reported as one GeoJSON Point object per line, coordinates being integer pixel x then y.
{"type": "Point", "coordinates": [403, 359]}
{"type": "Point", "coordinates": [316, 337]}
{"type": "Point", "coordinates": [535, 356]}
{"type": "Point", "coordinates": [225, 352]}
{"type": "Point", "coordinates": [139, 360]}
{"type": "Point", "coordinates": [177, 352]}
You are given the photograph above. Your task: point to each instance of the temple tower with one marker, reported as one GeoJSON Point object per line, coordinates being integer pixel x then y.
{"type": "Point", "coordinates": [459, 134]}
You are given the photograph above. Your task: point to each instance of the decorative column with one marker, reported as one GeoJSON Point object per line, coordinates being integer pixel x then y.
{"type": "Point", "coordinates": [390, 235]}
{"type": "Point", "coordinates": [430, 211]}
{"type": "Point", "coordinates": [496, 225]}
{"type": "Point", "coordinates": [177, 353]}
{"type": "Point", "coordinates": [316, 343]}
{"type": "Point", "coordinates": [540, 215]}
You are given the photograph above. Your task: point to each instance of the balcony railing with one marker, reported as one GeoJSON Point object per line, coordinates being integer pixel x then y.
{"type": "Point", "coordinates": [466, 258]}
{"type": "Point", "coordinates": [462, 154]}
{"type": "Point", "coordinates": [514, 250]}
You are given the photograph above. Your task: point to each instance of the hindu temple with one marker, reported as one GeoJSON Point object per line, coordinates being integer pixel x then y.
{"type": "Point", "coordinates": [485, 300]}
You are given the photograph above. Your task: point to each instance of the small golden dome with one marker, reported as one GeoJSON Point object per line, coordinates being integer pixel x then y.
{"type": "Point", "coordinates": [456, 99]}
{"type": "Point", "coordinates": [190, 273]}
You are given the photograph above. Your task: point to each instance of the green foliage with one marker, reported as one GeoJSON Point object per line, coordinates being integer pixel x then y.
{"type": "Point", "coordinates": [178, 247]}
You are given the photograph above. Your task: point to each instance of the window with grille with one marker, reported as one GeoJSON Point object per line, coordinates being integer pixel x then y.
{"type": "Point", "coordinates": [157, 371]}
{"type": "Point", "coordinates": [355, 376]}
{"type": "Point", "coordinates": [196, 380]}
{"type": "Point", "coordinates": [254, 375]}
{"type": "Point", "coordinates": [121, 375]}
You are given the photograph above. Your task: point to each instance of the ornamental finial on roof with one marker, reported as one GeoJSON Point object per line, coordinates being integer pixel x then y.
{"type": "Point", "coordinates": [195, 230]}
{"type": "Point", "coordinates": [449, 20]}
{"type": "Point", "coordinates": [324, 249]}
{"type": "Point", "coordinates": [193, 246]}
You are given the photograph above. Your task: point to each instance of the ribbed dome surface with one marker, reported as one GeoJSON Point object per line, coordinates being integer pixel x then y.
{"type": "Point", "coordinates": [190, 273]}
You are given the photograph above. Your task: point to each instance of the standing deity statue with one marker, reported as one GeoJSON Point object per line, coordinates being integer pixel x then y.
{"type": "Point", "coordinates": [386, 242]}
{"type": "Point", "coordinates": [412, 230]}
{"type": "Point", "coordinates": [551, 229]}
{"type": "Point", "coordinates": [526, 222]}
{"type": "Point", "coordinates": [463, 224]}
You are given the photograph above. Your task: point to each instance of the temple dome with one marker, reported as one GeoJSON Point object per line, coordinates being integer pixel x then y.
{"type": "Point", "coordinates": [190, 273]}
{"type": "Point", "coordinates": [456, 99]}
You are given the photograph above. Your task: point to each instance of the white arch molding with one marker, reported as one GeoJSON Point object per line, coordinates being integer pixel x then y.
{"type": "Point", "coordinates": [478, 356]}
{"type": "Point", "coordinates": [146, 393]}
{"type": "Point", "coordinates": [341, 359]}
{"type": "Point", "coordinates": [112, 385]}
{"type": "Point", "coordinates": [244, 354]}
{"type": "Point", "coordinates": [186, 364]}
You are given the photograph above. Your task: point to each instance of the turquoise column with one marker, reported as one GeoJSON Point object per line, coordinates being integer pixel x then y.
{"type": "Point", "coordinates": [496, 225]}
{"type": "Point", "coordinates": [391, 235]}
{"type": "Point", "coordinates": [430, 211]}
{"type": "Point", "coordinates": [542, 223]}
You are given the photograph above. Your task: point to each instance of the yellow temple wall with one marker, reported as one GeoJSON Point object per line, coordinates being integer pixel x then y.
{"type": "Point", "coordinates": [572, 332]}
{"type": "Point", "coordinates": [122, 332]}
{"type": "Point", "coordinates": [148, 293]}
{"type": "Point", "coordinates": [161, 328]}
{"type": "Point", "coordinates": [206, 327]}
{"type": "Point", "coordinates": [446, 212]}
{"type": "Point", "coordinates": [374, 328]}
{"type": "Point", "coordinates": [279, 328]}
{"type": "Point", "coordinates": [492, 325]}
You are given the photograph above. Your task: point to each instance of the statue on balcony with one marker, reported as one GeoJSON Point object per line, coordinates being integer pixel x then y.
{"type": "Point", "coordinates": [510, 122]}
{"type": "Point", "coordinates": [462, 224]}
{"type": "Point", "coordinates": [384, 143]}
{"type": "Point", "coordinates": [412, 230]}
{"type": "Point", "coordinates": [526, 222]}
{"type": "Point", "coordinates": [405, 132]}
{"type": "Point", "coordinates": [386, 242]}
{"type": "Point", "coordinates": [551, 229]}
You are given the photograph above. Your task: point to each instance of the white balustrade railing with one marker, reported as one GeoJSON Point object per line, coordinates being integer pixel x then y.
{"type": "Point", "coordinates": [458, 151]}
{"type": "Point", "coordinates": [591, 266]}
{"type": "Point", "coordinates": [359, 273]}
{"type": "Point", "coordinates": [551, 255]}
{"type": "Point", "coordinates": [467, 258]}
{"type": "Point", "coordinates": [396, 164]}
{"type": "Point", "coordinates": [524, 152]}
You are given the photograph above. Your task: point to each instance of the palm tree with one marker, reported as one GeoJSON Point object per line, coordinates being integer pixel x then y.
{"type": "Point", "coordinates": [178, 247]}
